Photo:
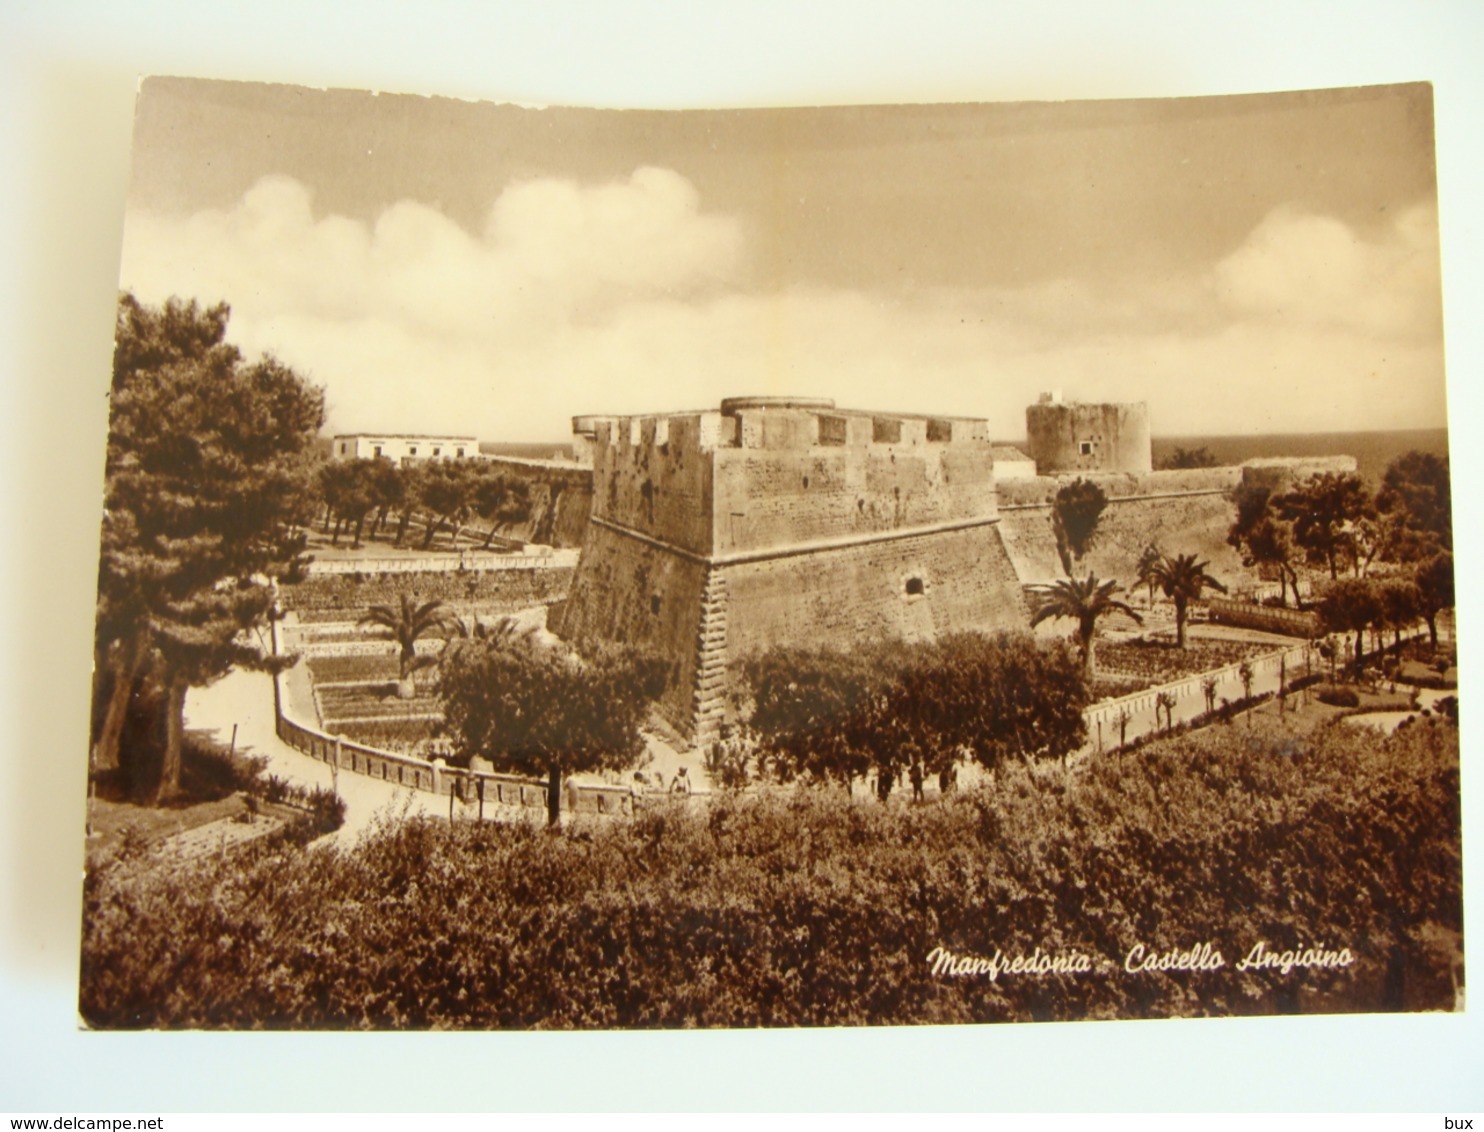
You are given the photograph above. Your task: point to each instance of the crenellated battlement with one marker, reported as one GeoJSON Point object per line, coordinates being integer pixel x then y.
{"type": "Point", "coordinates": [764, 472]}
{"type": "Point", "coordinates": [779, 424]}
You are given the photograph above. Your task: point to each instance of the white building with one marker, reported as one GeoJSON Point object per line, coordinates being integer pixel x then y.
{"type": "Point", "coordinates": [403, 448]}
{"type": "Point", "coordinates": [1012, 464]}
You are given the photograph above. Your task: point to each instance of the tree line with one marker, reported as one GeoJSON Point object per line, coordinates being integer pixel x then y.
{"type": "Point", "coordinates": [444, 493]}
{"type": "Point", "coordinates": [525, 703]}
{"type": "Point", "coordinates": [1334, 522]}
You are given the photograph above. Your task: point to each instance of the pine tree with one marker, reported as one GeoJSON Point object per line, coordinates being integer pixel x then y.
{"type": "Point", "coordinates": [207, 483]}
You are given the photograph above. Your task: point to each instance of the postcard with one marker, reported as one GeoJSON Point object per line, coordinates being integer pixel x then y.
{"type": "Point", "coordinates": [842, 566]}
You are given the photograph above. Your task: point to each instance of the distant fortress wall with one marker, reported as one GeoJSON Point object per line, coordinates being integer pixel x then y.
{"type": "Point", "coordinates": [561, 496]}
{"type": "Point", "coordinates": [1184, 511]}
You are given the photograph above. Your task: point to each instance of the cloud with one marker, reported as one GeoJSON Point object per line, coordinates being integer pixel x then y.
{"type": "Point", "coordinates": [630, 297]}
{"type": "Point", "coordinates": [551, 248]}
{"type": "Point", "coordinates": [1315, 270]}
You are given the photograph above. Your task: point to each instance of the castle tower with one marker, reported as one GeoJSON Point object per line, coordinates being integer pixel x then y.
{"type": "Point", "coordinates": [1066, 437]}
{"type": "Point", "coordinates": [784, 521]}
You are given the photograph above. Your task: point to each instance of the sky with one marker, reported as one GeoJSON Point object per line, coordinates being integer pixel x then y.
{"type": "Point", "coordinates": [1246, 264]}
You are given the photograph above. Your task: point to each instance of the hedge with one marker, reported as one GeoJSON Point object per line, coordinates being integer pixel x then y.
{"type": "Point", "coordinates": [800, 908]}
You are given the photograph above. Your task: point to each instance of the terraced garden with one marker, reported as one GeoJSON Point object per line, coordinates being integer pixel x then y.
{"type": "Point", "coordinates": [341, 669]}
{"type": "Point", "coordinates": [357, 698]}
{"type": "Point", "coordinates": [1125, 667]}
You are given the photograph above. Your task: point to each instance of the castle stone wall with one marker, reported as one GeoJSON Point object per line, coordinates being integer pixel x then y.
{"type": "Point", "coordinates": [1041, 490]}
{"type": "Point", "coordinates": [1182, 511]}
{"type": "Point", "coordinates": [653, 475]}
{"type": "Point", "coordinates": [1194, 524]}
{"type": "Point", "coordinates": [1177, 524]}
{"type": "Point", "coordinates": [561, 499]}
{"type": "Point", "coordinates": [1030, 541]}
{"type": "Point", "coordinates": [912, 588]}
{"type": "Point", "coordinates": [1280, 474]}
{"type": "Point", "coordinates": [632, 592]}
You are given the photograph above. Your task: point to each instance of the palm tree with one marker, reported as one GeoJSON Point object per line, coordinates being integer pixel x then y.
{"type": "Point", "coordinates": [408, 623]}
{"type": "Point", "coordinates": [1182, 579]}
{"type": "Point", "coordinates": [1084, 600]}
{"type": "Point", "coordinates": [505, 633]}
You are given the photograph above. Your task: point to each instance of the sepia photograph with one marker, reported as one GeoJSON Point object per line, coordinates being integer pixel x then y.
{"type": "Point", "coordinates": [852, 566]}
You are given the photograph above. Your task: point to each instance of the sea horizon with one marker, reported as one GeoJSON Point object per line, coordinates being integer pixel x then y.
{"type": "Point", "coordinates": [1373, 450]}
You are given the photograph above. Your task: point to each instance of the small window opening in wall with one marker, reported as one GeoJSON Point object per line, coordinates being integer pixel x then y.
{"type": "Point", "coordinates": [915, 587]}
{"type": "Point", "coordinates": [806, 481]}
{"type": "Point", "coordinates": [378, 449]}
{"type": "Point", "coordinates": [412, 451]}
{"type": "Point", "coordinates": [654, 603]}
{"type": "Point", "coordinates": [1086, 447]}
{"type": "Point", "coordinates": [437, 452]}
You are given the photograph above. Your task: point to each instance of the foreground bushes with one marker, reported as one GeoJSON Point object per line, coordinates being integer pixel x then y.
{"type": "Point", "coordinates": [805, 909]}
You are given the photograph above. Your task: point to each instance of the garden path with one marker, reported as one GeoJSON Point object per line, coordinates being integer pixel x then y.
{"type": "Point", "coordinates": [246, 699]}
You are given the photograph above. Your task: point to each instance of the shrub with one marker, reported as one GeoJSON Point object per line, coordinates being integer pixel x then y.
{"type": "Point", "coordinates": [1447, 707]}
{"type": "Point", "coordinates": [209, 771]}
{"type": "Point", "coordinates": [1337, 695]}
{"type": "Point", "coordinates": [791, 908]}
{"type": "Point", "coordinates": [326, 810]}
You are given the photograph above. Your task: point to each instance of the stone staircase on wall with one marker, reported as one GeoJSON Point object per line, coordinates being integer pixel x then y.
{"type": "Point", "coordinates": [711, 661]}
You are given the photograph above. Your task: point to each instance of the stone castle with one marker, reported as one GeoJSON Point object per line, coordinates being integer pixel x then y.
{"type": "Point", "coordinates": [784, 521]}
{"type": "Point", "coordinates": [791, 521]}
